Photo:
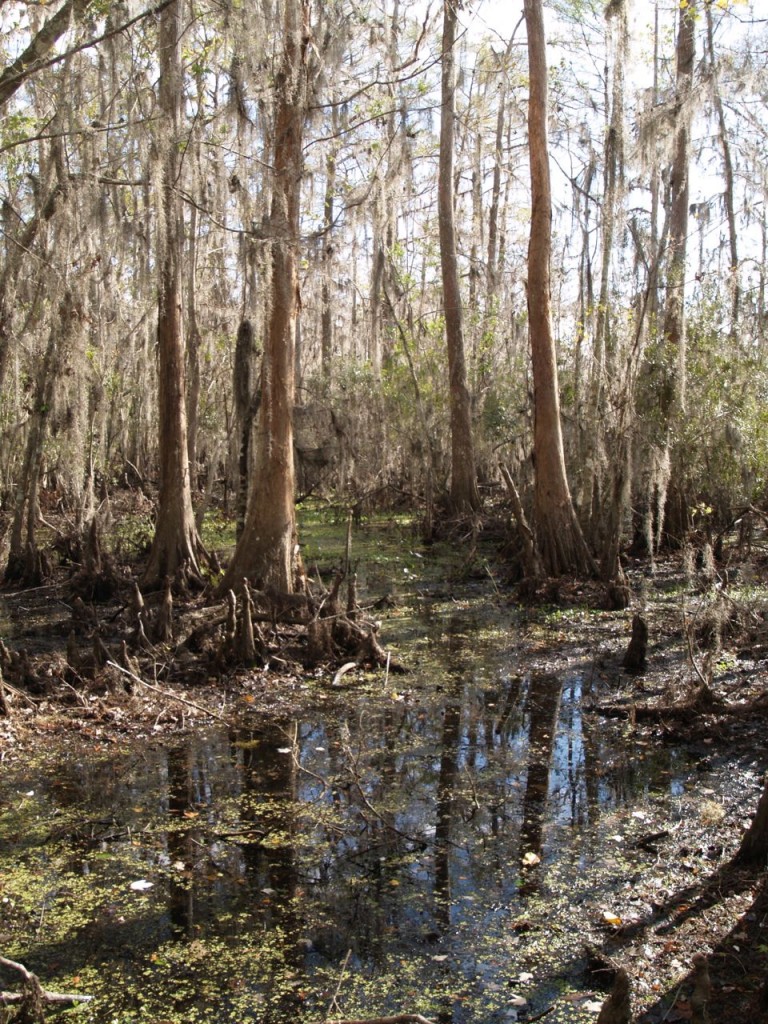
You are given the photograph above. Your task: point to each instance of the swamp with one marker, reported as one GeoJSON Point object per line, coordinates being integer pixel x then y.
{"type": "Point", "coordinates": [487, 834]}
{"type": "Point", "coordinates": [383, 511]}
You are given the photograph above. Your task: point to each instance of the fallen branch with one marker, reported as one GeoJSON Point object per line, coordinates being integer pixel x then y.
{"type": "Point", "coordinates": [343, 671]}
{"type": "Point", "coordinates": [399, 1018]}
{"type": "Point", "coordinates": [166, 693]}
{"type": "Point", "coordinates": [34, 990]}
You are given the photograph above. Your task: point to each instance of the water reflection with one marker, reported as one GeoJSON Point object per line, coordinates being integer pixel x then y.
{"type": "Point", "coordinates": [543, 706]}
{"type": "Point", "coordinates": [399, 836]}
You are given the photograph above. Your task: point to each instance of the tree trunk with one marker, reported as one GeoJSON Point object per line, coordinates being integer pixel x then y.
{"type": "Point", "coordinates": [326, 269]}
{"type": "Point", "coordinates": [673, 392]}
{"type": "Point", "coordinates": [607, 505]}
{"type": "Point", "coordinates": [465, 497]}
{"type": "Point", "coordinates": [725, 145]}
{"type": "Point", "coordinates": [176, 541]}
{"type": "Point", "coordinates": [266, 549]}
{"type": "Point", "coordinates": [559, 535]}
{"type": "Point", "coordinates": [194, 343]}
{"type": "Point", "coordinates": [754, 845]}
{"type": "Point", "coordinates": [23, 558]}
{"type": "Point", "coordinates": [247, 399]}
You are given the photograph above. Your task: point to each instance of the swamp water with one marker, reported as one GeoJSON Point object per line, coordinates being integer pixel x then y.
{"type": "Point", "coordinates": [440, 842]}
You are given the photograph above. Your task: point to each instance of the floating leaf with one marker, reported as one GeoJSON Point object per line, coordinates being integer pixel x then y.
{"type": "Point", "coordinates": [141, 885]}
{"type": "Point", "coordinates": [529, 859]}
{"type": "Point", "coordinates": [610, 918]}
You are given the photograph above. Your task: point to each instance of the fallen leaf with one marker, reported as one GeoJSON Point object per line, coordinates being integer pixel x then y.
{"type": "Point", "coordinates": [529, 859]}
{"type": "Point", "coordinates": [141, 885]}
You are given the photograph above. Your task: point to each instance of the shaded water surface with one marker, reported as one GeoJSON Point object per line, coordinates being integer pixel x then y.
{"type": "Point", "coordinates": [436, 848]}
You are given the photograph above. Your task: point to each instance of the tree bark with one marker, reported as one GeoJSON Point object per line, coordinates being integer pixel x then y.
{"type": "Point", "coordinates": [464, 497]}
{"type": "Point", "coordinates": [247, 400]}
{"type": "Point", "coordinates": [266, 550]}
{"type": "Point", "coordinates": [673, 392]}
{"type": "Point", "coordinates": [754, 845]}
{"type": "Point", "coordinates": [725, 145]}
{"type": "Point", "coordinates": [176, 540]}
{"type": "Point", "coordinates": [559, 535]}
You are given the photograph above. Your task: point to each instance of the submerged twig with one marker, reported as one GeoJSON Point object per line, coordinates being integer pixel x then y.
{"type": "Point", "coordinates": [32, 983]}
{"type": "Point", "coordinates": [399, 1018]}
{"type": "Point", "coordinates": [166, 693]}
{"type": "Point", "coordinates": [333, 1005]}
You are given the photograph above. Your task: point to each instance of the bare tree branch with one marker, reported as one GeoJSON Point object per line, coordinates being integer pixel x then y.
{"type": "Point", "coordinates": [34, 57]}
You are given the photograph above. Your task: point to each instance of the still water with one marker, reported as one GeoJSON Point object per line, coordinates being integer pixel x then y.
{"type": "Point", "coordinates": [438, 843]}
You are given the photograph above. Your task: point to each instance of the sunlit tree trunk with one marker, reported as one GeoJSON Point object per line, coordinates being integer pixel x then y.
{"type": "Point", "coordinates": [194, 343]}
{"type": "Point", "coordinates": [673, 397]}
{"type": "Point", "coordinates": [176, 541]}
{"type": "Point", "coordinates": [725, 145]}
{"type": "Point", "coordinates": [464, 494]}
{"type": "Point", "coordinates": [326, 266]}
{"type": "Point", "coordinates": [609, 449]}
{"type": "Point", "coordinates": [559, 535]}
{"type": "Point", "coordinates": [267, 546]}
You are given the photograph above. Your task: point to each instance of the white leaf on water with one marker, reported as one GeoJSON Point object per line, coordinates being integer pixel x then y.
{"type": "Point", "coordinates": [141, 885]}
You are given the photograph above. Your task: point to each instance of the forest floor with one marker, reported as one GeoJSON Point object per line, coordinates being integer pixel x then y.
{"type": "Point", "coordinates": [705, 687]}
